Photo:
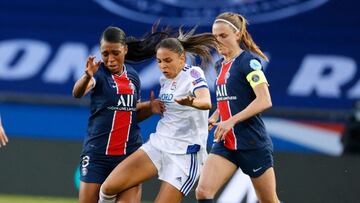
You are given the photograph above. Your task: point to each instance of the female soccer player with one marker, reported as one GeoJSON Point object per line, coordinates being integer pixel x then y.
{"type": "Point", "coordinates": [113, 133]}
{"type": "Point", "coordinates": [242, 94]}
{"type": "Point", "coordinates": [177, 149]}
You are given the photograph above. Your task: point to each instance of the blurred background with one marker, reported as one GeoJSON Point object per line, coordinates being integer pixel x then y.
{"type": "Point", "coordinates": [314, 52]}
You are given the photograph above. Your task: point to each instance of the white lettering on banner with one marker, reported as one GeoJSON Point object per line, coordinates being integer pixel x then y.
{"type": "Point", "coordinates": [69, 61]}
{"type": "Point", "coordinates": [237, 189]}
{"type": "Point", "coordinates": [33, 55]}
{"type": "Point", "coordinates": [354, 92]}
{"type": "Point", "coordinates": [23, 59]}
{"type": "Point", "coordinates": [311, 76]}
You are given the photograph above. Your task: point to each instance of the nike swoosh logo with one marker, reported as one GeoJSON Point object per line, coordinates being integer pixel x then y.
{"type": "Point", "coordinates": [257, 169]}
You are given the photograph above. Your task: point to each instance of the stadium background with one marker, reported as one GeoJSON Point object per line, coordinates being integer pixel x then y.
{"type": "Point", "coordinates": [313, 74]}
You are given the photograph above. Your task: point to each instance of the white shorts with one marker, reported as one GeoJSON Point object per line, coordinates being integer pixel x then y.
{"type": "Point", "coordinates": [179, 170]}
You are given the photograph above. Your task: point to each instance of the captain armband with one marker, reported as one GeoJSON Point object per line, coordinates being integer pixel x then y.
{"type": "Point", "coordinates": [256, 77]}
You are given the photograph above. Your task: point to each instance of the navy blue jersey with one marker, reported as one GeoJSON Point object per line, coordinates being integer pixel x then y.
{"type": "Point", "coordinates": [113, 128]}
{"type": "Point", "coordinates": [234, 93]}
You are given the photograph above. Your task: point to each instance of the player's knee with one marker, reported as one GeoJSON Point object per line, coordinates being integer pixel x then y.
{"type": "Point", "coordinates": [107, 189]}
{"type": "Point", "coordinates": [203, 193]}
{"type": "Point", "coordinates": [105, 196]}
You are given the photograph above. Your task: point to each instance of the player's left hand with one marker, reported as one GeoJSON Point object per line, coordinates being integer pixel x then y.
{"type": "Point", "coordinates": [186, 101]}
{"type": "Point", "coordinates": [157, 106]}
{"type": "Point", "coordinates": [222, 129]}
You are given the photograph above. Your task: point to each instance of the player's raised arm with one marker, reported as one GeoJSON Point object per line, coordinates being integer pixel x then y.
{"type": "Point", "coordinates": [86, 82]}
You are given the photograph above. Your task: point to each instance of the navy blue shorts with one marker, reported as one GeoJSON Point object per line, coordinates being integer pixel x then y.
{"type": "Point", "coordinates": [252, 162]}
{"type": "Point", "coordinates": [95, 169]}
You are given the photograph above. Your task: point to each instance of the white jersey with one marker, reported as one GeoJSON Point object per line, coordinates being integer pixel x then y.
{"type": "Point", "coordinates": [182, 129]}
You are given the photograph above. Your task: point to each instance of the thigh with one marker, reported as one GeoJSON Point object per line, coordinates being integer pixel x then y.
{"type": "Point", "coordinates": [265, 186]}
{"type": "Point", "coordinates": [89, 192]}
{"type": "Point", "coordinates": [134, 170]}
{"type": "Point", "coordinates": [131, 195]}
{"type": "Point", "coordinates": [93, 172]}
{"type": "Point", "coordinates": [215, 173]}
{"type": "Point", "coordinates": [96, 168]}
{"type": "Point", "coordinates": [180, 170]}
{"type": "Point", "coordinates": [255, 162]}
{"type": "Point", "coordinates": [168, 193]}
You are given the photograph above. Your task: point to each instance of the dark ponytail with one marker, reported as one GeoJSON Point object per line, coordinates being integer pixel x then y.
{"type": "Point", "coordinates": [138, 49]}
{"type": "Point", "coordinates": [144, 48]}
{"type": "Point", "coordinates": [199, 44]}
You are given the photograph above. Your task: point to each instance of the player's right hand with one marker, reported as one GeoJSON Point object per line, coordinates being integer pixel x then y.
{"type": "Point", "coordinates": [211, 123]}
{"type": "Point", "coordinates": [157, 106]}
{"type": "Point", "coordinates": [92, 66]}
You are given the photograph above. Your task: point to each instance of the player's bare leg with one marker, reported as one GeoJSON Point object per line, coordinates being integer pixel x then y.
{"type": "Point", "coordinates": [89, 192]}
{"type": "Point", "coordinates": [168, 193]}
{"type": "Point", "coordinates": [131, 172]}
{"type": "Point", "coordinates": [132, 195]}
{"type": "Point", "coordinates": [215, 173]}
{"type": "Point", "coordinates": [265, 187]}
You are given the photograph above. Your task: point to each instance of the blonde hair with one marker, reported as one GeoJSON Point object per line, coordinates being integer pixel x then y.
{"type": "Point", "coordinates": [237, 21]}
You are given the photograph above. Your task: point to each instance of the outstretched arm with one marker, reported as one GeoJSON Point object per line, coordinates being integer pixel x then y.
{"type": "Point", "coordinates": [201, 100]}
{"type": "Point", "coordinates": [85, 83]}
{"type": "Point", "coordinates": [148, 108]}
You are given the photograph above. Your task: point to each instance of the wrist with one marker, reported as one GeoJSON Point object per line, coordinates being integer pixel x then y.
{"type": "Point", "coordinates": [232, 120]}
{"type": "Point", "coordinates": [87, 74]}
{"type": "Point", "coordinates": [213, 119]}
{"type": "Point", "coordinates": [193, 101]}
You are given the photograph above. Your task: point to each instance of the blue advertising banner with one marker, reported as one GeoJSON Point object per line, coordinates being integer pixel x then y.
{"type": "Point", "coordinates": [312, 44]}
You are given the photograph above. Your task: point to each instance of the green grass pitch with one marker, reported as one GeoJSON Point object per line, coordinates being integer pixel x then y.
{"type": "Point", "coordinates": [37, 199]}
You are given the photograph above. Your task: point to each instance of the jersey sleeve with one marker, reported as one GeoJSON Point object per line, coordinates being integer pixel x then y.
{"type": "Point", "coordinates": [253, 71]}
{"type": "Point", "coordinates": [197, 79]}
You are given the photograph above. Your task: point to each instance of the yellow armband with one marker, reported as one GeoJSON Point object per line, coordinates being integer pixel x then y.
{"type": "Point", "coordinates": [256, 77]}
